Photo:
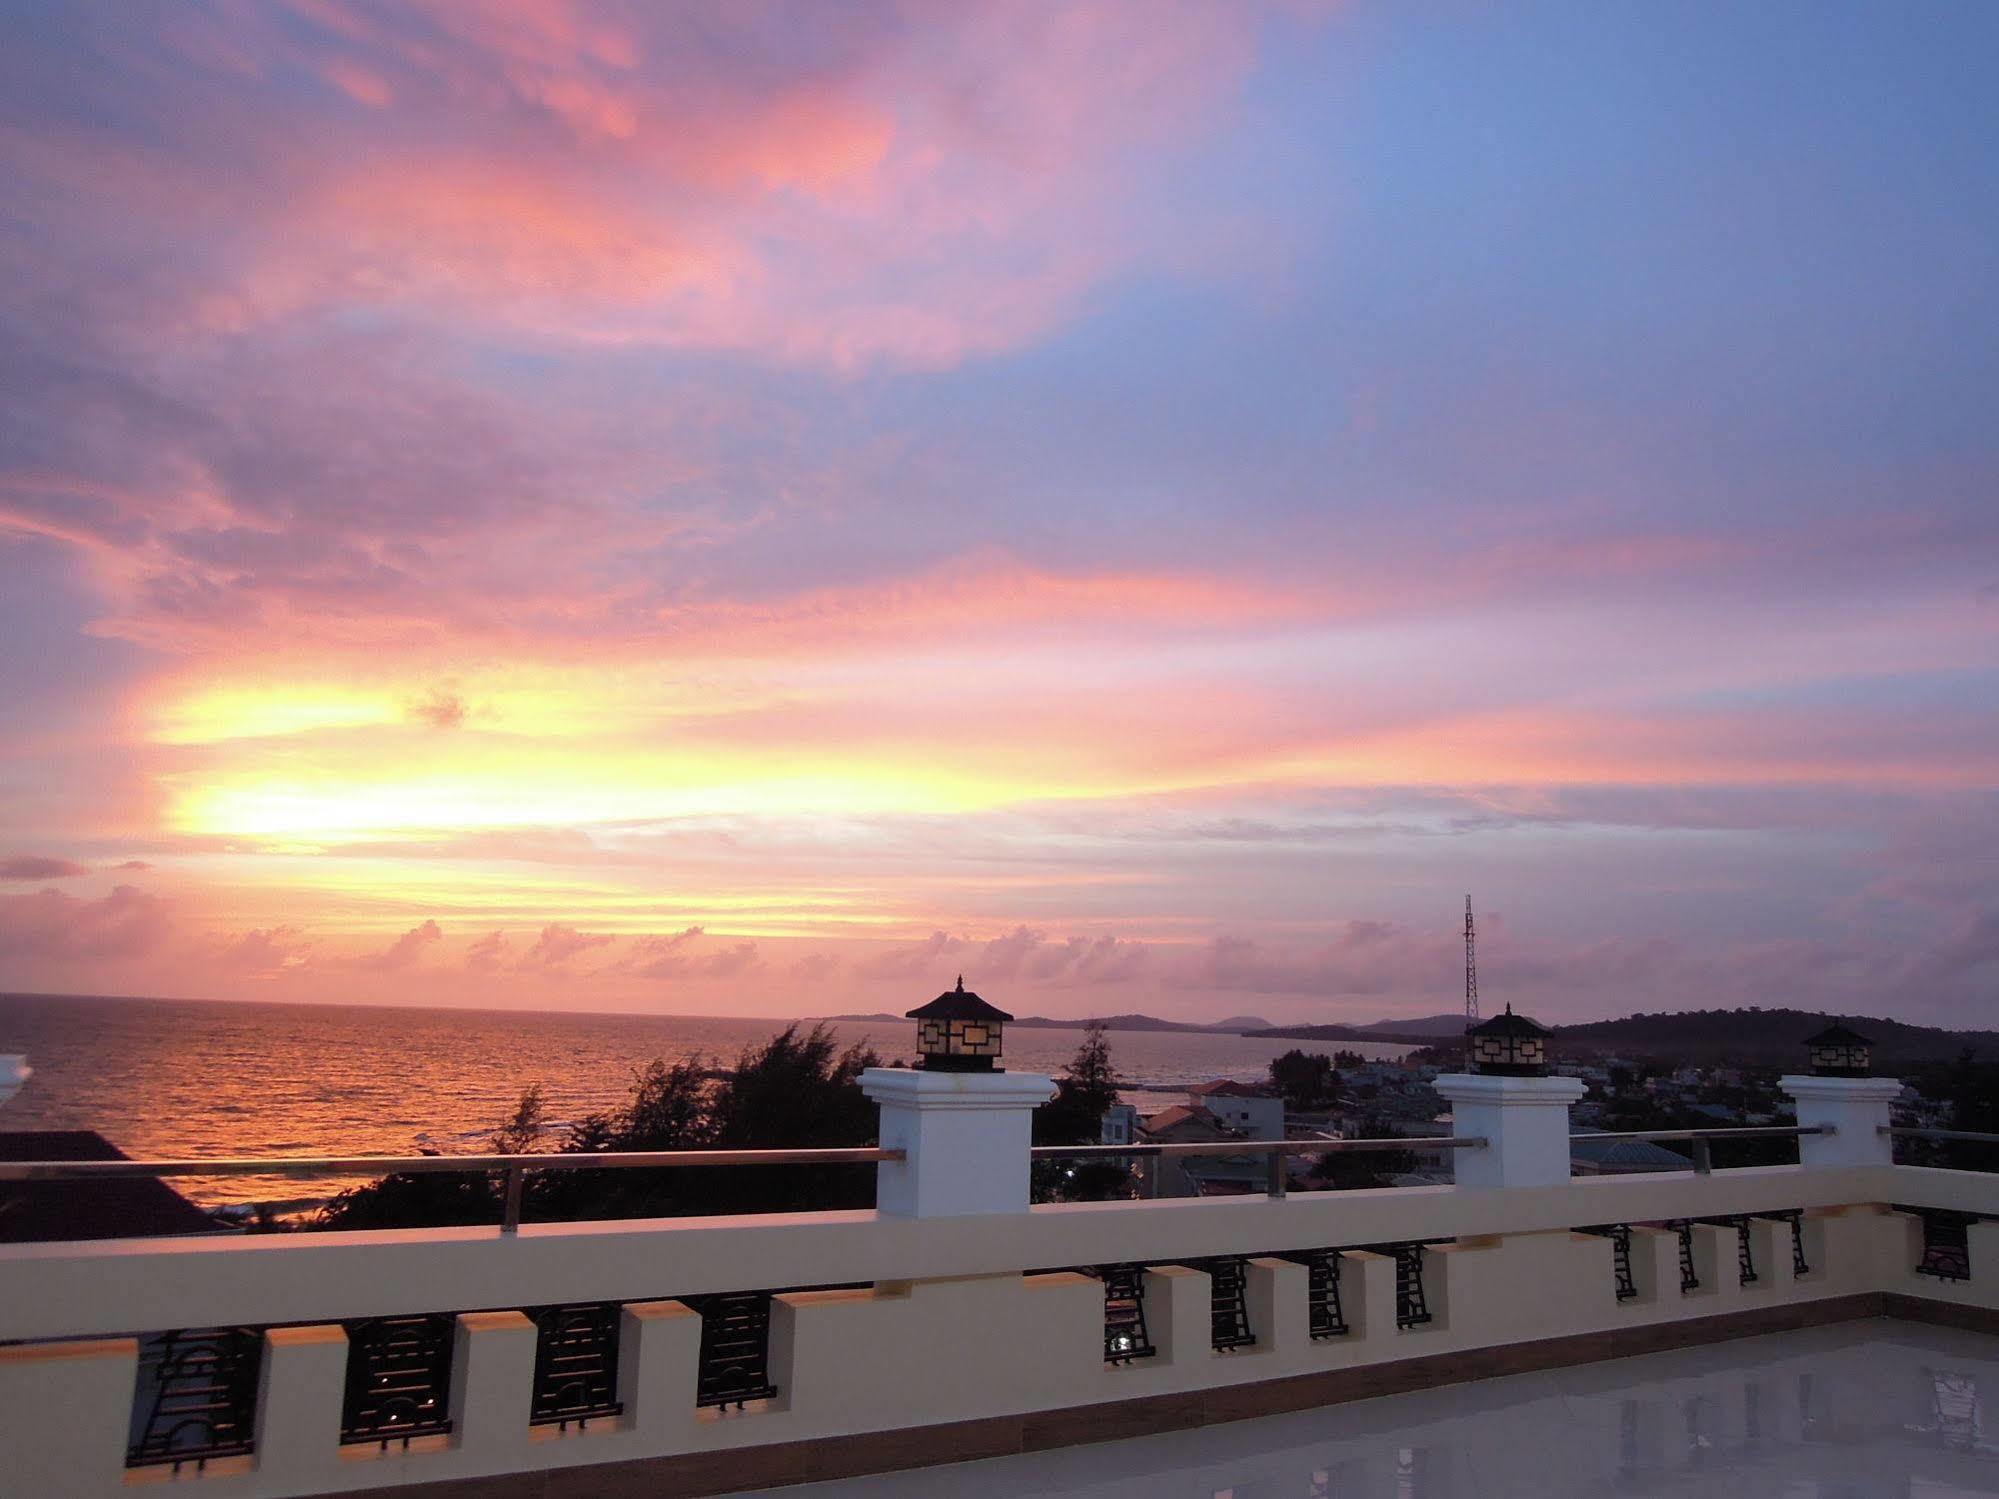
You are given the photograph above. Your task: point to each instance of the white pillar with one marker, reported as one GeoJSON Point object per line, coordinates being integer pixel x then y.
{"type": "Point", "coordinates": [1525, 1122]}
{"type": "Point", "coordinates": [1856, 1108]}
{"type": "Point", "coordinates": [966, 1136]}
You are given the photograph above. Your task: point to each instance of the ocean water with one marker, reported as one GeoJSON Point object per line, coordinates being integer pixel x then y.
{"type": "Point", "coordinates": [190, 1079]}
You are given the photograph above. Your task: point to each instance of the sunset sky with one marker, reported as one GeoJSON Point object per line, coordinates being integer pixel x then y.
{"type": "Point", "coordinates": [756, 509]}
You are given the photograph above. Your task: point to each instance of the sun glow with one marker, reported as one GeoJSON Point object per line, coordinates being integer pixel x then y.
{"type": "Point", "coordinates": [573, 793]}
{"type": "Point", "coordinates": [218, 714]}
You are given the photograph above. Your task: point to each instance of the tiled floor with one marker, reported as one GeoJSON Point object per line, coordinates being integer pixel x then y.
{"type": "Point", "coordinates": [1863, 1410]}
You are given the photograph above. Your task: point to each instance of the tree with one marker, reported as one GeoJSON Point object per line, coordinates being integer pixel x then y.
{"type": "Point", "coordinates": [413, 1200]}
{"type": "Point", "coordinates": [1084, 1093]}
{"type": "Point", "coordinates": [1090, 1070]}
{"type": "Point", "coordinates": [1307, 1082]}
{"type": "Point", "coordinates": [1345, 1170]}
{"type": "Point", "coordinates": [792, 1091]}
{"type": "Point", "coordinates": [1969, 1087]}
{"type": "Point", "coordinates": [668, 1110]}
{"type": "Point", "coordinates": [522, 1132]}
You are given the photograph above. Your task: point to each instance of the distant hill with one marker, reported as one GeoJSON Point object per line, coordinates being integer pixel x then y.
{"type": "Point", "coordinates": [1426, 1025]}
{"type": "Point", "coordinates": [1420, 1030]}
{"type": "Point", "coordinates": [1764, 1036]}
{"type": "Point", "coordinates": [1378, 1032]}
{"type": "Point", "coordinates": [1236, 1026]}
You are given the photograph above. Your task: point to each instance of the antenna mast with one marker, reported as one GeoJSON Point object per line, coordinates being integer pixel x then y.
{"type": "Point", "coordinates": [1471, 968]}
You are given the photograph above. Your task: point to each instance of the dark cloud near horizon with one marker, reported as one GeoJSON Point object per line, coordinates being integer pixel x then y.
{"type": "Point", "coordinates": [41, 867]}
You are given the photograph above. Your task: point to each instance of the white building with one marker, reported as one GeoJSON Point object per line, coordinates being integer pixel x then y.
{"type": "Point", "coordinates": [1256, 1111]}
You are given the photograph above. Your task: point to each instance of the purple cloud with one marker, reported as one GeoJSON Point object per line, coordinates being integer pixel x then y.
{"type": "Point", "coordinates": [40, 867]}
{"type": "Point", "coordinates": [127, 923]}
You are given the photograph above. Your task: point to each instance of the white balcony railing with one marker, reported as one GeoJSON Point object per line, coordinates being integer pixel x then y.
{"type": "Point", "coordinates": [903, 1327]}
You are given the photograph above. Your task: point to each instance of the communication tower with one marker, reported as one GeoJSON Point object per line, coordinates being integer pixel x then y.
{"type": "Point", "coordinates": [1471, 968]}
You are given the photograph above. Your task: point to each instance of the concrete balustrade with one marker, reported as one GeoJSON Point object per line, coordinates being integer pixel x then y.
{"type": "Point", "coordinates": [945, 1328]}
{"type": "Point", "coordinates": [944, 1348]}
{"type": "Point", "coordinates": [67, 1409]}
{"type": "Point", "coordinates": [299, 1392]}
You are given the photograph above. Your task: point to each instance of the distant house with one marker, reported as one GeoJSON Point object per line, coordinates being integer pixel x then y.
{"type": "Point", "coordinates": [1612, 1157]}
{"type": "Point", "coordinates": [1257, 1111]}
{"type": "Point", "coordinates": [1191, 1123]}
{"type": "Point", "coordinates": [41, 1212]}
{"type": "Point", "coordinates": [1185, 1124]}
{"type": "Point", "coordinates": [1120, 1126]}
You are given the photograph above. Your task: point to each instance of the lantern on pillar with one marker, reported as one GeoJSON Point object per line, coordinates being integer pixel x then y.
{"type": "Point", "coordinates": [959, 1032]}
{"type": "Point", "coordinates": [1508, 1045]}
{"type": "Point", "coordinates": [1839, 1051]}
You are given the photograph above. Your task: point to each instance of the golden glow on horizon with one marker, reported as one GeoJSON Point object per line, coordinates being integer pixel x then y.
{"type": "Point", "coordinates": [570, 792]}
{"type": "Point", "coordinates": [217, 714]}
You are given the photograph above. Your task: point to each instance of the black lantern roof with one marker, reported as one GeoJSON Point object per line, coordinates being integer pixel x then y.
{"type": "Point", "coordinates": [958, 1004]}
{"type": "Point", "coordinates": [1518, 1027]}
{"type": "Point", "coordinates": [1839, 1033]}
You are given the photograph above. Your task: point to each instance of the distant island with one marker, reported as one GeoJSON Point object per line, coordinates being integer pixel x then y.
{"type": "Point", "coordinates": [1763, 1037]}
{"type": "Point", "coordinates": [1235, 1025]}
{"type": "Point", "coordinates": [1755, 1035]}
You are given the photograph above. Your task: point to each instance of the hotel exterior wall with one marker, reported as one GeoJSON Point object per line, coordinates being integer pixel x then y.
{"type": "Point", "coordinates": [951, 1330]}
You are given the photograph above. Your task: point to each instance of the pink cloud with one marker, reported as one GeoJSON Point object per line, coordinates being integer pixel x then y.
{"type": "Point", "coordinates": [556, 945]}
{"type": "Point", "coordinates": [833, 188]}
{"type": "Point", "coordinates": [485, 955]}
{"type": "Point", "coordinates": [914, 960]}
{"type": "Point", "coordinates": [40, 867]}
{"type": "Point", "coordinates": [684, 954]}
{"type": "Point", "coordinates": [127, 923]}
{"type": "Point", "coordinates": [404, 952]}
{"type": "Point", "coordinates": [1030, 957]}
{"type": "Point", "coordinates": [265, 950]}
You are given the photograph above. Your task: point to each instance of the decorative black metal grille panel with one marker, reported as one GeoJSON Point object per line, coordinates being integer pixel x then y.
{"type": "Point", "coordinates": [201, 1399]}
{"type": "Point", "coordinates": [1690, 1279]}
{"type": "Point", "coordinates": [1796, 1218]}
{"type": "Point", "coordinates": [1228, 1301]}
{"type": "Point", "coordinates": [1412, 1307]}
{"type": "Point", "coordinates": [1125, 1333]}
{"type": "Point", "coordinates": [735, 1348]}
{"type": "Point", "coordinates": [1322, 1291]}
{"type": "Point", "coordinates": [1946, 1244]}
{"type": "Point", "coordinates": [1619, 1235]}
{"type": "Point", "coordinates": [575, 1363]}
{"type": "Point", "coordinates": [398, 1379]}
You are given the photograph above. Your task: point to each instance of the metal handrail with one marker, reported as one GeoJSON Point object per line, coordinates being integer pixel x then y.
{"type": "Point", "coordinates": [1700, 1138]}
{"type": "Point", "coordinates": [1725, 1132]}
{"type": "Point", "coordinates": [1909, 1131]}
{"type": "Point", "coordinates": [1261, 1147]}
{"type": "Point", "coordinates": [515, 1167]}
{"type": "Point", "coordinates": [1275, 1150]}
{"type": "Point", "coordinates": [399, 1165]}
